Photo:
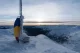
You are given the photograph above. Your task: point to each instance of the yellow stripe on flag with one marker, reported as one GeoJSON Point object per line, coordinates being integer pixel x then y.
{"type": "Point", "coordinates": [16, 31]}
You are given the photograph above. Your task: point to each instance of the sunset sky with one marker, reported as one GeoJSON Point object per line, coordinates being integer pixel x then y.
{"type": "Point", "coordinates": [41, 10]}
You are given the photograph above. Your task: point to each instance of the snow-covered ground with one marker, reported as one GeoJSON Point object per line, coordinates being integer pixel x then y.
{"type": "Point", "coordinates": [38, 44]}
{"type": "Point", "coordinates": [74, 41]}
{"type": "Point", "coordinates": [74, 35]}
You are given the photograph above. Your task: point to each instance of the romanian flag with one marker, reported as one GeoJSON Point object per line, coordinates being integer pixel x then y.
{"type": "Point", "coordinates": [17, 29]}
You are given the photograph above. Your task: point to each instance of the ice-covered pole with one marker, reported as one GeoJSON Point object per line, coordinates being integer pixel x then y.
{"type": "Point", "coordinates": [20, 5]}
{"type": "Point", "coordinates": [21, 17]}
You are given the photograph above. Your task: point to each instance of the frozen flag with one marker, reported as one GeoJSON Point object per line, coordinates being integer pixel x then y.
{"type": "Point", "coordinates": [18, 25]}
{"type": "Point", "coordinates": [17, 29]}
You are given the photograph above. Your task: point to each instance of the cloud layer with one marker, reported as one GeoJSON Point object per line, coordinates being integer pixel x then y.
{"type": "Point", "coordinates": [51, 10]}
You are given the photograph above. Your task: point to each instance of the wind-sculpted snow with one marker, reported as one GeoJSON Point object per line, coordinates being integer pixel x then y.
{"type": "Point", "coordinates": [61, 33]}
{"type": "Point", "coordinates": [74, 41]}
{"type": "Point", "coordinates": [38, 44]}
{"type": "Point", "coordinates": [58, 33]}
{"type": "Point", "coordinates": [61, 29]}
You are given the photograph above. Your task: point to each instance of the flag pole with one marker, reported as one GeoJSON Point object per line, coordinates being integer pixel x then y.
{"type": "Point", "coordinates": [21, 17]}
{"type": "Point", "coordinates": [20, 6]}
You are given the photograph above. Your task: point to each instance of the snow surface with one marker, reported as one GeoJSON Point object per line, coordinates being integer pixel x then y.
{"type": "Point", "coordinates": [74, 41]}
{"type": "Point", "coordinates": [38, 44]}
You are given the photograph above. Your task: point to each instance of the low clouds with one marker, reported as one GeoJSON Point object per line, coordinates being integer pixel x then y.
{"type": "Point", "coordinates": [53, 10]}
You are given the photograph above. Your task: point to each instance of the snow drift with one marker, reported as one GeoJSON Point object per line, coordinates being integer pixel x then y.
{"type": "Point", "coordinates": [38, 44]}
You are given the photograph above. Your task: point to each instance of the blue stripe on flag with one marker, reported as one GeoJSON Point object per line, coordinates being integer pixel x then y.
{"type": "Point", "coordinates": [17, 22]}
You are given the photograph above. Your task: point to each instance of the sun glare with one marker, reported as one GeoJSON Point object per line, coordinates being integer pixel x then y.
{"type": "Point", "coordinates": [39, 20]}
{"type": "Point", "coordinates": [40, 16]}
{"type": "Point", "coordinates": [44, 12]}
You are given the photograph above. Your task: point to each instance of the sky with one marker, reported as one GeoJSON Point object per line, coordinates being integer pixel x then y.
{"type": "Point", "coordinates": [41, 10]}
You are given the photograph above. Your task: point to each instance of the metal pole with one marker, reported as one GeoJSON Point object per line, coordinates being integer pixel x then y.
{"type": "Point", "coordinates": [20, 4]}
{"type": "Point", "coordinates": [21, 18]}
